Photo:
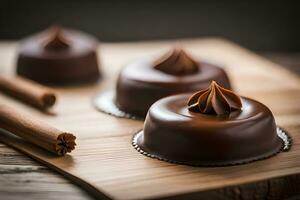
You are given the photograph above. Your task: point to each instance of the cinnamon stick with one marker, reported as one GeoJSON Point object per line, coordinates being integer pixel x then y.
{"type": "Point", "coordinates": [28, 91]}
{"type": "Point", "coordinates": [35, 131]}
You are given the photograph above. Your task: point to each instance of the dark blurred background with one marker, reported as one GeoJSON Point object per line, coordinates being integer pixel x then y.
{"type": "Point", "coordinates": [258, 25]}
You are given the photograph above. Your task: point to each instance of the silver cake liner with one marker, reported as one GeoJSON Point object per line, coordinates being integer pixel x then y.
{"type": "Point", "coordinates": [287, 143]}
{"type": "Point", "coordinates": [105, 102]}
{"type": "Point", "coordinates": [287, 140]}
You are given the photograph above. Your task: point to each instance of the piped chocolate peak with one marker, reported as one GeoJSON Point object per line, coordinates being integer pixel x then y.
{"type": "Point", "coordinates": [214, 100]}
{"type": "Point", "coordinates": [56, 39]}
{"type": "Point", "coordinates": [177, 62]}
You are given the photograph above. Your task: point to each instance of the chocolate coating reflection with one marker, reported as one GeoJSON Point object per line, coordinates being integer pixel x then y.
{"type": "Point", "coordinates": [174, 133]}
{"type": "Point", "coordinates": [59, 56]}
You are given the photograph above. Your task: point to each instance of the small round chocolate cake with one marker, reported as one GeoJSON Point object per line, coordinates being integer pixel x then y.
{"type": "Point", "coordinates": [142, 83]}
{"type": "Point", "coordinates": [59, 56]}
{"type": "Point", "coordinates": [211, 127]}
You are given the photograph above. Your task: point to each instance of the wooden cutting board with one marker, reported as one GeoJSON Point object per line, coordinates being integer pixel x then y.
{"type": "Point", "coordinates": [106, 164]}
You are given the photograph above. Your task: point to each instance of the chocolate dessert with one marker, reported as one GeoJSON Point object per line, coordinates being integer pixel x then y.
{"type": "Point", "coordinates": [143, 82]}
{"type": "Point", "coordinates": [59, 56]}
{"type": "Point", "coordinates": [211, 127]}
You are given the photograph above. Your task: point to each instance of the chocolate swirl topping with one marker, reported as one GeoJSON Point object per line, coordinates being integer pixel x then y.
{"type": "Point", "coordinates": [214, 100]}
{"type": "Point", "coordinates": [177, 62]}
{"type": "Point", "coordinates": [56, 39]}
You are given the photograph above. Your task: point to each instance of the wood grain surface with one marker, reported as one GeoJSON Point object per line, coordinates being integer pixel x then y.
{"type": "Point", "coordinates": [104, 157]}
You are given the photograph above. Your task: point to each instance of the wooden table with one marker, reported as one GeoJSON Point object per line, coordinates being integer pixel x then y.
{"type": "Point", "coordinates": [24, 178]}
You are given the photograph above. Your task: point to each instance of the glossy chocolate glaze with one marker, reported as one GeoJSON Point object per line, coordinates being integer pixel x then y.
{"type": "Point", "coordinates": [174, 133]}
{"type": "Point", "coordinates": [49, 59]}
{"type": "Point", "coordinates": [139, 85]}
